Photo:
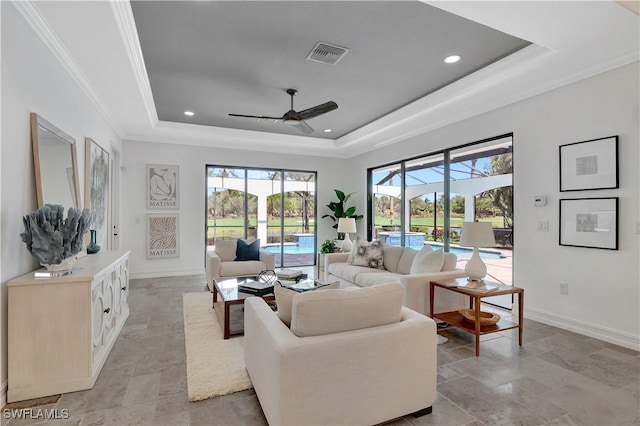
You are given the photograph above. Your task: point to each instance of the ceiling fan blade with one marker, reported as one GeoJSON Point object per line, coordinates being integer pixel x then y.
{"type": "Point", "coordinates": [304, 127]}
{"type": "Point", "coordinates": [255, 116]}
{"type": "Point", "coordinates": [316, 110]}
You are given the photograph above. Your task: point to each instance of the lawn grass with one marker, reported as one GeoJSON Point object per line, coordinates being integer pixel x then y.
{"type": "Point", "coordinates": [234, 227]}
{"type": "Point", "coordinates": [456, 222]}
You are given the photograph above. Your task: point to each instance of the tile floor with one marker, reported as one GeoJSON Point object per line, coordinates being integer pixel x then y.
{"type": "Point", "coordinates": [556, 378]}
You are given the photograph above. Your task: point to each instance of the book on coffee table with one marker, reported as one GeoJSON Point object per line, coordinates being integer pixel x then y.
{"type": "Point", "coordinates": [288, 274]}
{"type": "Point", "coordinates": [256, 288]}
{"type": "Point", "coordinates": [307, 286]}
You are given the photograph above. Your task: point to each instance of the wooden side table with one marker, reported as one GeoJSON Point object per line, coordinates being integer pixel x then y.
{"type": "Point", "coordinates": [455, 319]}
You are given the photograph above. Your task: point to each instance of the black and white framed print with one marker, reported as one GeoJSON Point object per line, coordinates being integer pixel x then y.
{"type": "Point", "coordinates": [163, 187]}
{"type": "Point", "coordinates": [590, 164]}
{"type": "Point", "coordinates": [163, 237]}
{"type": "Point", "coordinates": [589, 222]}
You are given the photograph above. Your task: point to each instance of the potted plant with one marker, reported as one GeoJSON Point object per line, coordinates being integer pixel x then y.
{"type": "Point", "coordinates": [339, 209]}
{"type": "Point", "coordinates": [328, 246]}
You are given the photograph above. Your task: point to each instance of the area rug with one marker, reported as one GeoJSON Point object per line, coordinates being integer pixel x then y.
{"type": "Point", "coordinates": [214, 366]}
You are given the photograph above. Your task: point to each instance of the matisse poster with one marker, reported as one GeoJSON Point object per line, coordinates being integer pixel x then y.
{"type": "Point", "coordinates": [162, 187]}
{"type": "Point", "coordinates": [163, 238]}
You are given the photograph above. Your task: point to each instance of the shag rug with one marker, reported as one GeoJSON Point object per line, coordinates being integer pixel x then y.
{"type": "Point", "coordinates": [214, 366]}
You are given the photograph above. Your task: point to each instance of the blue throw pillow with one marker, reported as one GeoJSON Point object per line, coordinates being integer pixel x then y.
{"type": "Point", "coordinates": [245, 251]}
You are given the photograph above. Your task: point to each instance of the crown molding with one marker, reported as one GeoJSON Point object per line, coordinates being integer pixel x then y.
{"type": "Point", "coordinates": [32, 15]}
{"type": "Point", "coordinates": [227, 138]}
{"type": "Point", "coordinates": [129, 33]}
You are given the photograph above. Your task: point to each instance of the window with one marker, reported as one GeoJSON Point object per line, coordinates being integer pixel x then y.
{"type": "Point", "coordinates": [276, 206]}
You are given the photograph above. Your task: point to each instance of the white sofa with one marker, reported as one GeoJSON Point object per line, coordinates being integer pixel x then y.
{"type": "Point", "coordinates": [221, 263]}
{"type": "Point", "coordinates": [397, 268]}
{"type": "Point", "coordinates": [362, 376]}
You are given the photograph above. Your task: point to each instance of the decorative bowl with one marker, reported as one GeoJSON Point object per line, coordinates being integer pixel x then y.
{"type": "Point", "coordinates": [486, 318]}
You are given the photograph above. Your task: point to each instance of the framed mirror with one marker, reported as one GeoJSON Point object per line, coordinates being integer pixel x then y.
{"type": "Point", "coordinates": [55, 164]}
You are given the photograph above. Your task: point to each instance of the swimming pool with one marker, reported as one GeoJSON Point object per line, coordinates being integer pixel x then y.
{"type": "Point", "coordinates": [461, 252]}
{"type": "Point", "coordinates": [289, 249]}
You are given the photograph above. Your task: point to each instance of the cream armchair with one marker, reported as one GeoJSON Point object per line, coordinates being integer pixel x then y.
{"type": "Point", "coordinates": [221, 263]}
{"type": "Point", "coordinates": [356, 377]}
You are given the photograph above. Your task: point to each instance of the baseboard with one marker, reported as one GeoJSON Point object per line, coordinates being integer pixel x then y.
{"type": "Point", "coordinates": [598, 332]}
{"type": "Point", "coordinates": [162, 274]}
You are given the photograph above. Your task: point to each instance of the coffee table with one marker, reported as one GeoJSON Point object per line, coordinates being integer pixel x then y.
{"type": "Point", "coordinates": [230, 295]}
{"type": "Point", "coordinates": [455, 319]}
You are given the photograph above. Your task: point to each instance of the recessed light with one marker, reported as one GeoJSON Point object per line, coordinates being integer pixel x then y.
{"type": "Point", "coordinates": [189, 113]}
{"type": "Point", "coordinates": [452, 59]}
{"type": "Point", "coordinates": [328, 130]}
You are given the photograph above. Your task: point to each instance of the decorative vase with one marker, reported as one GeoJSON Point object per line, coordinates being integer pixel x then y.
{"type": "Point", "coordinates": [65, 265]}
{"type": "Point", "coordinates": [93, 247]}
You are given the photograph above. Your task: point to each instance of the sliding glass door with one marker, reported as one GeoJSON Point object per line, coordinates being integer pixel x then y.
{"type": "Point", "coordinates": [425, 200]}
{"type": "Point", "coordinates": [278, 207]}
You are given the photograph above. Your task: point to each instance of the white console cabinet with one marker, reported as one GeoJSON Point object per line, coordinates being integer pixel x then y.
{"type": "Point", "coordinates": [61, 330]}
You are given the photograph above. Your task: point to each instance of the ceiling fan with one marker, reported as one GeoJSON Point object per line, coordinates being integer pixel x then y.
{"type": "Point", "coordinates": [297, 119]}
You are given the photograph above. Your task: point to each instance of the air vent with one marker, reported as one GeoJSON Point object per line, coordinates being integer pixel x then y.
{"type": "Point", "coordinates": [327, 53]}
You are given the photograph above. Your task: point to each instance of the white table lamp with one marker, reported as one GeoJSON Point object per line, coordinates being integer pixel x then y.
{"type": "Point", "coordinates": [345, 226]}
{"type": "Point", "coordinates": [476, 234]}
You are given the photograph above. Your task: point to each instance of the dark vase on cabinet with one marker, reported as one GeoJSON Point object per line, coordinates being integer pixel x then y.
{"type": "Point", "coordinates": [93, 247]}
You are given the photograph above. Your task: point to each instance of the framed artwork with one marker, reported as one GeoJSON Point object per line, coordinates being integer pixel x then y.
{"type": "Point", "coordinates": [589, 222]}
{"type": "Point", "coordinates": [163, 238]}
{"type": "Point", "coordinates": [589, 165]}
{"type": "Point", "coordinates": [162, 187]}
{"type": "Point", "coordinates": [96, 190]}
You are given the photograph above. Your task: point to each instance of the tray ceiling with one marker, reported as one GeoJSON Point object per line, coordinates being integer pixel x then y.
{"type": "Point", "coordinates": [215, 58]}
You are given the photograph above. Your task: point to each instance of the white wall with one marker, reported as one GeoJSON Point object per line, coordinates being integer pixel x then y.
{"type": "Point", "coordinates": [33, 80]}
{"type": "Point", "coordinates": [604, 298]}
{"type": "Point", "coordinates": [332, 173]}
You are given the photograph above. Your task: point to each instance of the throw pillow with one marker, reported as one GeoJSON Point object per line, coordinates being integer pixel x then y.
{"type": "Point", "coordinates": [246, 251]}
{"type": "Point", "coordinates": [450, 262]}
{"type": "Point", "coordinates": [391, 255]}
{"type": "Point", "coordinates": [226, 249]}
{"type": "Point", "coordinates": [284, 299]}
{"type": "Point", "coordinates": [369, 254]}
{"type": "Point", "coordinates": [354, 248]}
{"type": "Point", "coordinates": [427, 260]}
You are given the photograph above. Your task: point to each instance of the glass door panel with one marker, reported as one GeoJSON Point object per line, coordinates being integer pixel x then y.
{"type": "Point", "coordinates": [265, 187]}
{"type": "Point", "coordinates": [387, 205]}
{"type": "Point", "coordinates": [299, 218]}
{"type": "Point", "coordinates": [424, 186]}
{"type": "Point", "coordinates": [225, 204]}
{"type": "Point", "coordinates": [482, 190]}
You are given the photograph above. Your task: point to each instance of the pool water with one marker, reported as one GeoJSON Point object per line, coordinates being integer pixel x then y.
{"type": "Point", "coordinates": [290, 249]}
{"type": "Point", "coordinates": [461, 252]}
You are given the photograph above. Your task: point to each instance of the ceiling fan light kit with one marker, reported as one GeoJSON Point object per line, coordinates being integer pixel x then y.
{"type": "Point", "coordinates": [297, 119]}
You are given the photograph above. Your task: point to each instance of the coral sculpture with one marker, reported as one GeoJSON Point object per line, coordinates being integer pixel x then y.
{"type": "Point", "coordinates": [50, 238]}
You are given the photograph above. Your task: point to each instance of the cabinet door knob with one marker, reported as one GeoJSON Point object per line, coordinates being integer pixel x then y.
{"type": "Point", "coordinates": [106, 311]}
{"type": "Point", "coordinates": [124, 288]}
